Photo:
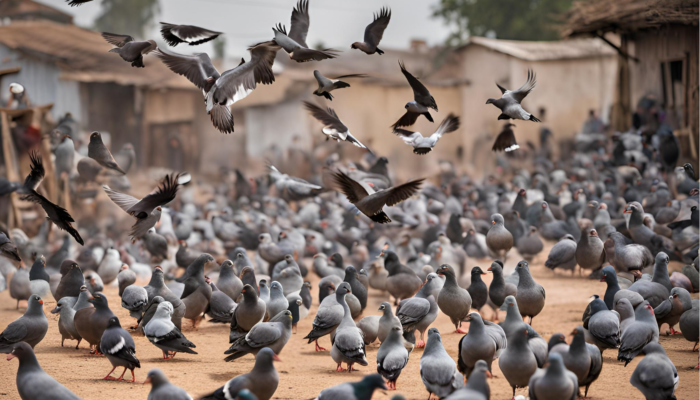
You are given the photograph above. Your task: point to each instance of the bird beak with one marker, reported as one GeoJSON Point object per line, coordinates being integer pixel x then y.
{"type": "Point", "coordinates": [10, 357]}
{"type": "Point", "coordinates": [147, 381]}
{"type": "Point", "coordinates": [488, 374]}
{"type": "Point", "coordinates": [41, 302]}
{"type": "Point", "coordinates": [55, 310]}
{"type": "Point", "coordinates": [275, 357]}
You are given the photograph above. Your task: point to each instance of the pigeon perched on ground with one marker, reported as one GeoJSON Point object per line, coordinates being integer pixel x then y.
{"type": "Point", "coordinates": [250, 311]}
{"type": "Point", "coordinates": [563, 255]}
{"type": "Point", "coordinates": [510, 100]}
{"type": "Point", "coordinates": [110, 266]}
{"type": "Point", "coordinates": [392, 357]}
{"type": "Point", "coordinates": [221, 307]}
{"type": "Point", "coordinates": [418, 312]}
{"type": "Point", "coordinates": [453, 300]}
{"type": "Point", "coordinates": [513, 321]}
{"type": "Point", "coordinates": [33, 383]}
{"type": "Point", "coordinates": [39, 279]}
{"type": "Point", "coordinates": [603, 325]}
{"type": "Point", "coordinates": [499, 288]}
{"type": "Point", "coordinates": [197, 293]}
{"type": "Point", "coordinates": [333, 127]}
{"type": "Point", "coordinates": [162, 389]}
{"type": "Point", "coordinates": [91, 322]}
{"type": "Point", "coordinates": [476, 387]}
{"type": "Point", "coordinates": [424, 145]}
{"type": "Point", "coordinates": [348, 346]}
{"type": "Point", "coordinates": [590, 253]}
{"type": "Point", "coordinates": [30, 327]}
{"type": "Point", "coordinates": [583, 359]}
{"type": "Point", "coordinates": [129, 50]}
{"type": "Point", "coordinates": [228, 282]}
{"type": "Point", "coordinates": [328, 316]}
{"type": "Point", "coordinates": [364, 389]}
{"type": "Point", "coordinates": [374, 32]}
{"type": "Point", "coordinates": [518, 362]}
{"type": "Point", "coordinates": [125, 278]}
{"type": "Point", "coordinates": [119, 347]}
{"type": "Point", "coordinates": [157, 287]}
{"type": "Point", "coordinates": [273, 334]}
{"type": "Point", "coordinates": [402, 281]}
{"type": "Point", "coordinates": [638, 334]}
{"type": "Point", "coordinates": [135, 299]}
{"type": "Point", "coordinates": [485, 341]}
{"type": "Point", "coordinates": [554, 382]}
{"type": "Point", "coordinates": [190, 34]}
{"type": "Point", "coordinates": [66, 325]}
{"type": "Point", "coordinates": [294, 43]}
{"type": "Point", "coordinates": [422, 101]}
{"type": "Point", "coordinates": [437, 369]}
{"type": "Point", "coordinates": [161, 331]}
{"type": "Point", "coordinates": [498, 239]}
{"type": "Point", "coordinates": [655, 375]}
{"type": "Point", "coordinates": [530, 295]}
{"type": "Point", "coordinates": [262, 380]}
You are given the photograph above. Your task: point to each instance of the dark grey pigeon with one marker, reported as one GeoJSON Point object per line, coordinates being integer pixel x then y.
{"type": "Point", "coordinates": [369, 326]}
{"type": "Point", "coordinates": [419, 311]}
{"type": "Point", "coordinates": [453, 300]}
{"type": "Point", "coordinates": [670, 310]}
{"type": "Point", "coordinates": [327, 286]}
{"type": "Point", "coordinates": [348, 346]}
{"type": "Point", "coordinates": [437, 369]}
{"type": "Point", "coordinates": [690, 324]}
{"type": "Point", "coordinates": [374, 33]}
{"type": "Point", "coordinates": [250, 311]}
{"type": "Point", "coordinates": [120, 349]}
{"type": "Point", "coordinates": [361, 390]}
{"type": "Point", "coordinates": [30, 327]}
{"type": "Point", "coordinates": [658, 289]}
{"type": "Point", "coordinates": [655, 376]}
{"type": "Point", "coordinates": [485, 341]}
{"type": "Point", "coordinates": [624, 308]}
{"type": "Point", "coordinates": [510, 100]}
{"type": "Point", "coordinates": [193, 35]}
{"type": "Point", "coordinates": [327, 85]}
{"type": "Point", "coordinates": [583, 359]}
{"type": "Point", "coordinates": [499, 288]}
{"type": "Point", "coordinates": [603, 325]}
{"type": "Point", "coordinates": [66, 326]}
{"type": "Point", "coordinates": [228, 281]}
{"type": "Point", "coordinates": [262, 380]}
{"type": "Point", "coordinates": [162, 389]}
{"type": "Point", "coordinates": [530, 244]}
{"type": "Point", "coordinates": [422, 101]}
{"type": "Point", "coordinates": [294, 43]}
{"type": "Point", "coordinates": [8, 249]}
{"type": "Point", "coordinates": [589, 251]}
{"type": "Point", "coordinates": [83, 299]}
{"type": "Point", "coordinates": [33, 383]}
{"type": "Point", "coordinates": [530, 295]}
{"type": "Point", "coordinates": [477, 289]}
{"type": "Point", "coordinates": [476, 387]}
{"type": "Point", "coordinates": [553, 383]}
{"type": "Point", "coordinates": [513, 321]}
{"type": "Point", "coordinates": [498, 239]}
{"type": "Point", "coordinates": [273, 334]}
{"type": "Point", "coordinates": [563, 254]}
{"type": "Point", "coordinates": [161, 331]}
{"type": "Point", "coordinates": [518, 363]}
{"type": "Point", "coordinates": [100, 153]}
{"type": "Point", "coordinates": [197, 293]}
{"type": "Point", "coordinates": [402, 281]}
{"type": "Point", "coordinates": [131, 51]}
{"type": "Point", "coordinates": [70, 282]}
{"type": "Point", "coordinates": [358, 289]}
{"type": "Point", "coordinates": [641, 332]}
{"type": "Point", "coordinates": [221, 307]}
{"type": "Point", "coordinates": [392, 357]}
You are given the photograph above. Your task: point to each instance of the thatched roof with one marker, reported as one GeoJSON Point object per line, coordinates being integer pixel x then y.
{"type": "Point", "coordinates": [545, 50]}
{"type": "Point", "coordinates": [600, 16]}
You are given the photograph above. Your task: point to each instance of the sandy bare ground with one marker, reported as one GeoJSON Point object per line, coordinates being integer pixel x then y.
{"type": "Point", "coordinates": [304, 372]}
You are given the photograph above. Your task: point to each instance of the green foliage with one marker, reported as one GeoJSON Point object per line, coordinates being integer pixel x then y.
{"type": "Point", "coordinates": [506, 19]}
{"type": "Point", "coordinates": [127, 17]}
{"type": "Point", "coordinates": [219, 45]}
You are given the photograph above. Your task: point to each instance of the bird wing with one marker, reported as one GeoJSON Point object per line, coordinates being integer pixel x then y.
{"type": "Point", "coordinates": [352, 76]}
{"type": "Point", "coordinates": [663, 309]}
{"type": "Point", "coordinates": [412, 310]}
{"type": "Point", "coordinates": [505, 141]}
{"type": "Point", "coordinates": [327, 117]}
{"type": "Point", "coordinates": [116, 39]}
{"type": "Point", "coordinates": [237, 83]}
{"type": "Point", "coordinates": [164, 194]}
{"type": "Point", "coordinates": [300, 23]}
{"type": "Point", "coordinates": [448, 125]}
{"type": "Point", "coordinates": [264, 334]}
{"type": "Point", "coordinates": [408, 119]}
{"type": "Point", "coordinates": [524, 90]}
{"type": "Point", "coordinates": [196, 68]}
{"type": "Point", "coordinates": [194, 35]}
{"type": "Point", "coordinates": [350, 138]}
{"type": "Point", "coordinates": [123, 200]}
{"type": "Point", "coordinates": [352, 189]}
{"type": "Point", "coordinates": [503, 90]}
{"type": "Point", "coordinates": [397, 194]}
{"type": "Point", "coordinates": [15, 332]}
{"type": "Point", "coordinates": [36, 175]}
{"type": "Point", "coordinates": [497, 334]}
{"type": "Point", "coordinates": [419, 90]}
{"type": "Point", "coordinates": [409, 137]}
{"type": "Point", "coordinates": [328, 317]}
{"type": "Point", "coordinates": [375, 30]}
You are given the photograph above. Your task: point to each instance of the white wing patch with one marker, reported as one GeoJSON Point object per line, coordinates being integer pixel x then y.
{"type": "Point", "coordinates": [117, 346]}
{"type": "Point", "coordinates": [333, 133]}
{"type": "Point", "coordinates": [241, 93]}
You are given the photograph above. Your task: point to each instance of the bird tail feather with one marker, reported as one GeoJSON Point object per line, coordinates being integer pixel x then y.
{"type": "Point", "coordinates": [380, 51]}
{"type": "Point", "coordinates": [222, 118]}
{"type": "Point", "coordinates": [380, 218]}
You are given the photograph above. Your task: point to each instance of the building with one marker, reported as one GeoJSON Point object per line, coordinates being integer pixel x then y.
{"type": "Point", "coordinates": [657, 46]}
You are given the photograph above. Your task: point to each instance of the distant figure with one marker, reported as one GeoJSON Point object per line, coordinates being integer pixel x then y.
{"type": "Point", "coordinates": [545, 136]}
{"type": "Point", "coordinates": [593, 124]}
{"type": "Point", "coordinates": [18, 97]}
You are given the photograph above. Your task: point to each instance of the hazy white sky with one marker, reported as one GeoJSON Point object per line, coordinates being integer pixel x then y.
{"type": "Point", "coordinates": [335, 23]}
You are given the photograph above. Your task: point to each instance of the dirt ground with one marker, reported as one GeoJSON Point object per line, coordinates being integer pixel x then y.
{"type": "Point", "coordinates": [304, 372]}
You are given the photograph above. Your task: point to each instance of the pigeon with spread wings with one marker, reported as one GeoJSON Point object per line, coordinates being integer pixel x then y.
{"type": "Point", "coordinates": [422, 101]}
{"type": "Point", "coordinates": [327, 85]}
{"type": "Point", "coordinates": [290, 187]}
{"type": "Point", "coordinates": [424, 145]}
{"type": "Point", "coordinates": [333, 127]}
{"type": "Point", "coordinates": [371, 203]}
{"type": "Point", "coordinates": [374, 33]}
{"type": "Point", "coordinates": [193, 35]}
{"type": "Point", "coordinates": [222, 90]}
{"type": "Point", "coordinates": [506, 140]}
{"type": "Point", "coordinates": [129, 49]}
{"type": "Point", "coordinates": [294, 43]}
{"type": "Point", "coordinates": [147, 211]}
{"type": "Point", "coordinates": [36, 175]}
{"type": "Point", "coordinates": [510, 100]}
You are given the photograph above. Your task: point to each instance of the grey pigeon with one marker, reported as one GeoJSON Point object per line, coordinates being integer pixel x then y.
{"type": "Point", "coordinates": [250, 311]}
{"type": "Point", "coordinates": [277, 301]}
{"type": "Point", "coordinates": [553, 383]}
{"type": "Point", "coordinates": [295, 306]}
{"type": "Point", "coordinates": [424, 145]}
{"type": "Point", "coordinates": [362, 390]}
{"type": "Point", "coordinates": [670, 310]}
{"type": "Point", "coordinates": [499, 288]}
{"type": "Point", "coordinates": [264, 290]}
{"type": "Point", "coordinates": [603, 325]}
{"type": "Point", "coordinates": [197, 293]}
{"type": "Point", "coordinates": [641, 332]}
{"type": "Point", "coordinates": [71, 281]}
{"type": "Point", "coordinates": [66, 326]}
{"type": "Point", "coordinates": [39, 279]}
{"type": "Point", "coordinates": [119, 347]}
{"type": "Point", "coordinates": [437, 369]}
{"type": "Point", "coordinates": [132, 51]}
{"type": "Point", "coordinates": [658, 289]}
{"type": "Point", "coordinates": [228, 282]}
{"type": "Point", "coordinates": [625, 257]}
{"type": "Point", "coordinates": [369, 326]}
{"type": "Point", "coordinates": [624, 308]}
{"type": "Point", "coordinates": [157, 287]}
{"type": "Point", "coordinates": [273, 334]}
{"type": "Point", "coordinates": [498, 239]}
{"type": "Point", "coordinates": [374, 32]}
{"type": "Point", "coordinates": [513, 321]}
{"type": "Point", "coordinates": [690, 324]}
{"type": "Point", "coordinates": [110, 266]}
{"type": "Point", "coordinates": [100, 153]}
{"type": "Point", "coordinates": [30, 327]}
{"type": "Point", "coordinates": [221, 307]}
{"type": "Point", "coordinates": [402, 281]}
{"type": "Point", "coordinates": [91, 322]}
{"type": "Point", "coordinates": [583, 359]}
{"type": "Point", "coordinates": [422, 101]}
{"type": "Point", "coordinates": [563, 254]}
{"type": "Point", "coordinates": [193, 35]}
{"type": "Point", "coordinates": [335, 129]}
{"type": "Point", "coordinates": [655, 376]}
{"type": "Point", "coordinates": [453, 300]}
{"type": "Point", "coordinates": [530, 295]}
{"type": "Point", "coordinates": [348, 346]}
{"type": "Point", "coordinates": [33, 383]}
{"type": "Point", "coordinates": [292, 188]}
{"type": "Point", "coordinates": [156, 245]}
{"type": "Point", "coordinates": [510, 100]}
{"type": "Point", "coordinates": [387, 321]}
{"type": "Point", "coordinates": [294, 43]}
{"type": "Point", "coordinates": [82, 301]}
{"type": "Point", "coordinates": [327, 286]}
{"type": "Point", "coordinates": [8, 249]}
{"type": "Point", "coordinates": [476, 387]}
{"type": "Point", "coordinates": [590, 253]}
{"type": "Point", "coordinates": [289, 276]}
{"type": "Point", "coordinates": [323, 269]}
{"type": "Point", "coordinates": [161, 331]}
{"type": "Point", "coordinates": [262, 380]}
{"type": "Point", "coordinates": [530, 244]}
{"type": "Point", "coordinates": [418, 312]}
{"type": "Point", "coordinates": [149, 311]}
{"type": "Point", "coordinates": [135, 299]}
{"type": "Point", "coordinates": [94, 282]}
{"type": "Point", "coordinates": [485, 341]}
{"type": "Point", "coordinates": [20, 288]}
{"type": "Point", "coordinates": [517, 362]}
{"type": "Point", "coordinates": [327, 85]}
{"type": "Point", "coordinates": [162, 389]}
{"type": "Point", "coordinates": [392, 357]}
{"type": "Point", "coordinates": [125, 277]}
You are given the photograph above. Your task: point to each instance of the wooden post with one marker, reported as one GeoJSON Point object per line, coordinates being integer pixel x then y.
{"type": "Point", "coordinates": [12, 167]}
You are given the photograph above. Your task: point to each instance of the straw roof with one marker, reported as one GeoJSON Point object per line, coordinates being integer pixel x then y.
{"type": "Point", "coordinates": [545, 51]}
{"type": "Point", "coordinates": [600, 16]}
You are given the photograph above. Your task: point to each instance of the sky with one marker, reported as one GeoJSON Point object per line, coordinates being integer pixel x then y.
{"type": "Point", "coordinates": [335, 23]}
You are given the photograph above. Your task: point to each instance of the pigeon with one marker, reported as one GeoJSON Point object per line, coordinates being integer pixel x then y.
{"type": "Point", "coordinates": [499, 288]}
{"type": "Point", "coordinates": [505, 141]}
{"type": "Point", "coordinates": [424, 145]}
{"type": "Point", "coordinates": [590, 253]}
{"type": "Point", "coordinates": [156, 287]}
{"type": "Point", "coordinates": [66, 325]}
{"type": "Point", "coordinates": [510, 100]}
{"type": "Point", "coordinates": [221, 307]}
{"type": "Point", "coordinates": [348, 345]}
{"type": "Point", "coordinates": [358, 289]}
{"type": "Point", "coordinates": [563, 254]}
{"type": "Point", "coordinates": [328, 317]}
{"type": "Point", "coordinates": [476, 387]}
{"type": "Point", "coordinates": [32, 382]}
{"type": "Point", "coordinates": [603, 325]}
{"type": "Point", "coordinates": [193, 35]}
{"type": "Point", "coordinates": [530, 244]}
{"type": "Point", "coordinates": [91, 322]}
{"type": "Point", "coordinates": [369, 326]}
{"type": "Point", "coordinates": [162, 389]}
{"type": "Point", "coordinates": [30, 327]}
{"type": "Point", "coordinates": [8, 249]}
{"type": "Point", "coordinates": [638, 334]}
{"type": "Point", "coordinates": [20, 288]}
{"type": "Point", "coordinates": [386, 322]}
{"type": "Point", "coordinates": [222, 90]}
{"type": "Point", "coordinates": [498, 239]}
{"type": "Point", "coordinates": [392, 357]}
{"type": "Point", "coordinates": [130, 50]}
{"type": "Point", "coordinates": [670, 310]}
{"type": "Point", "coordinates": [119, 347]}
{"type": "Point", "coordinates": [327, 85]}
{"type": "Point", "coordinates": [294, 43]}
{"type": "Point", "coordinates": [364, 389]}
{"type": "Point", "coordinates": [624, 257]}
{"type": "Point", "coordinates": [36, 173]}
{"type": "Point", "coordinates": [82, 301]}
{"type": "Point", "coordinates": [374, 32]}
{"type": "Point", "coordinates": [513, 321]}
{"type": "Point", "coordinates": [422, 101]}
{"type": "Point", "coordinates": [658, 289]}
{"type": "Point", "coordinates": [477, 289]}
{"type": "Point", "coordinates": [197, 293]}
{"type": "Point", "coordinates": [39, 279]}
{"type": "Point", "coordinates": [454, 301]}
{"type": "Point", "coordinates": [292, 188]}
{"type": "Point", "coordinates": [689, 324]}
{"type": "Point", "coordinates": [583, 359]}
{"type": "Point", "coordinates": [624, 308]}
{"type": "Point", "coordinates": [161, 331]}
{"type": "Point", "coordinates": [609, 276]}
{"type": "Point", "coordinates": [437, 369]}
{"type": "Point", "coordinates": [655, 375]}
{"type": "Point", "coordinates": [333, 127]}
{"type": "Point", "coordinates": [555, 382]}
{"type": "Point", "coordinates": [250, 311]}
{"type": "Point", "coordinates": [289, 276]}
{"type": "Point", "coordinates": [94, 282]}
{"type": "Point", "coordinates": [125, 278]}
{"type": "Point", "coordinates": [277, 301]}
{"type": "Point", "coordinates": [100, 153]}
{"type": "Point", "coordinates": [54, 213]}
{"type": "Point", "coordinates": [517, 362]}
{"type": "Point", "coordinates": [156, 245]}
{"type": "Point", "coordinates": [418, 312]}
{"type": "Point", "coordinates": [327, 286]}
{"type": "Point", "coordinates": [485, 341]}
{"type": "Point", "coordinates": [261, 381]}
{"type": "Point", "coordinates": [147, 211]}
{"type": "Point", "coordinates": [402, 282]}
{"type": "Point", "coordinates": [530, 295]}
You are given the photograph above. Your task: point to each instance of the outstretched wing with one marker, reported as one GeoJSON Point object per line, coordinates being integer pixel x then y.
{"type": "Point", "coordinates": [123, 200]}
{"type": "Point", "coordinates": [164, 194]}
{"type": "Point", "coordinates": [300, 23]}
{"type": "Point", "coordinates": [36, 175]}
{"type": "Point", "coordinates": [196, 68]}
{"type": "Point", "coordinates": [419, 90]}
{"type": "Point", "coordinates": [449, 124]}
{"type": "Point", "coordinates": [375, 30]}
{"type": "Point", "coordinates": [237, 83]}
{"type": "Point", "coordinates": [397, 194]}
{"type": "Point", "coordinates": [116, 39]}
{"type": "Point", "coordinates": [352, 189]}
{"type": "Point", "coordinates": [327, 117]}
{"type": "Point", "coordinates": [524, 90]}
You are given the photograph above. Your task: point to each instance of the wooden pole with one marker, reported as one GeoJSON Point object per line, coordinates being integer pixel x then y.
{"type": "Point", "coordinates": [12, 168]}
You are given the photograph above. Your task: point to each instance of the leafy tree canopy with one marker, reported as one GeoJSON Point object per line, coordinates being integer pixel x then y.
{"type": "Point", "coordinates": [127, 17]}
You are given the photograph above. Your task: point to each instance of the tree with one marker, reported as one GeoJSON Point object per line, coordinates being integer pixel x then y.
{"type": "Point", "coordinates": [219, 45]}
{"type": "Point", "coordinates": [504, 19]}
{"type": "Point", "coordinates": [127, 17]}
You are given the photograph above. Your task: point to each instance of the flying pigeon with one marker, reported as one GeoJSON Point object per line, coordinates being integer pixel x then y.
{"type": "Point", "coordinates": [327, 85]}
{"type": "Point", "coordinates": [422, 101]}
{"type": "Point", "coordinates": [505, 141]}
{"type": "Point", "coordinates": [294, 43]}
{"type": "Point", "coordinates": [374, 33]}
{"type": "Point", "coordinates": [333, 127]}
{"type": "Point", "coordinates": [509, 103]}
{"type": "Point", "coordinates": [129, 49]}
{"type": "Point", "coordinates": [424, 145]}
{"type": "Point", "coordinates": [190, 34]}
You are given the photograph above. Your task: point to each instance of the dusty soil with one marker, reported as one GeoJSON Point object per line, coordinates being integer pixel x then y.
{"type": "Point", "coordinates": [304, 372]}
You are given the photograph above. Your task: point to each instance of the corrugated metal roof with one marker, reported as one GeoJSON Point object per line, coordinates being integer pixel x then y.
{"type": "Point", "coordinates": [543, 51]}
